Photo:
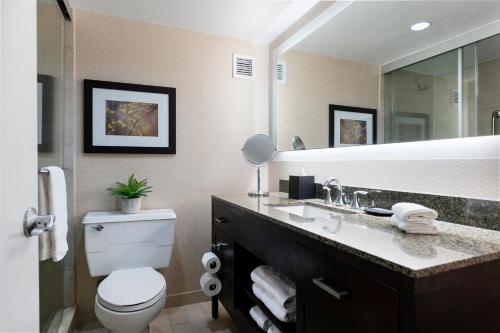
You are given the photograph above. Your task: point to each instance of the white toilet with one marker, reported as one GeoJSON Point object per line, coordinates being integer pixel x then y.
{"type": "Point", "coordinates": [127, 248]}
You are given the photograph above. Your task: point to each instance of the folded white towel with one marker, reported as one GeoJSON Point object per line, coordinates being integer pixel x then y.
{"type": "Point", "coordinates": [44, 241]}
{"type": "Point", "coordinates": [58, 207]}
{"type": "Point", "coordinates": [423, 227]}
{"type": "Point", "coordinates": [260, 317]}
{"type": "Point", "coordinates": [410, 212]}
{"type": "Point", "coordinates": [280, 287]}
{"type": "Point", "coordinates": [273, 329]}
{"type": "Point", "coordinates": [285, 315]}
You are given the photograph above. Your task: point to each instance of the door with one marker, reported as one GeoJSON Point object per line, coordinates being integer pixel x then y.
{"type": "Point", "coordinates": [18, 166]}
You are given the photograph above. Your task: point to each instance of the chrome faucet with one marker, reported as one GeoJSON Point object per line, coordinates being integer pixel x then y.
{"type": "Point", "coordinates": [355, 199]}
{"type": "Point", "coordinates": [328, 195]}
{"type": "Point", "coordinates": [340, 200]}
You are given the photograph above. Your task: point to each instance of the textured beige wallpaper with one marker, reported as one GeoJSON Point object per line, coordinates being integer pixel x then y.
{"type": "Point", "coordinates": [215, 114]}
{"type": "Point", "coordinates": [313, 82]}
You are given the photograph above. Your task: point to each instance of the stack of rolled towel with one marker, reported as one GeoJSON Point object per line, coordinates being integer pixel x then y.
{"type": "Point", "coordinates": [276, 291]}
{"type": "Point", "coordinates": [414, 218]}
{"type": "Point", "coordinates": [262, 320]}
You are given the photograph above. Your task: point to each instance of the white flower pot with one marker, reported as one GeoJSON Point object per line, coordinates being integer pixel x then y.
{"type": "Point", "coordinates": [130, 206]}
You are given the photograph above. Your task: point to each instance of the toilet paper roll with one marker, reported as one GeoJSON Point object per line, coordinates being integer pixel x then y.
{"type": "Point", "coordinates": [211, 262]}
{"type": "Point", "coordinates": [210, 284]}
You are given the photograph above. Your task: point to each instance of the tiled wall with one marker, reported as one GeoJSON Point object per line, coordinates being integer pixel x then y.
{"type": "Point", "coordinates": [215, 114]}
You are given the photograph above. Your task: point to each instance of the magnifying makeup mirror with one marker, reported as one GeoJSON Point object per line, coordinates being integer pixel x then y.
{"type": "Point", "coordinates": [297, 143]}
{"type": "Point", "coordinates": [259, 151]}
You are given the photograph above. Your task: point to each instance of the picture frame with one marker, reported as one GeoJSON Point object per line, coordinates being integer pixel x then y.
{"type": "Point", "coordinates": [45, 112]}
{"type": "Point", "coordinates": [128, 118]}
{"type": "Point", "coordinates": [411, 126]}
{"type": "Point", "coordinates": [351, 126]}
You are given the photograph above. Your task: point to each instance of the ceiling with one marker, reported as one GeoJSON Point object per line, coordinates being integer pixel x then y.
{"type": "Point", "coordinates": [378, 32]}
{"type": "Point", "coordinates": [259, 21]}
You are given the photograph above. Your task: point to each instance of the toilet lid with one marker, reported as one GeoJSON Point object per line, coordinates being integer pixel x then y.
{"type": "Point", "coordinates": [131, 287]}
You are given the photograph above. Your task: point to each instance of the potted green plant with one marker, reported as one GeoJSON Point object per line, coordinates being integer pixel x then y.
{"type": "Point", "coordinates": [131, 193]}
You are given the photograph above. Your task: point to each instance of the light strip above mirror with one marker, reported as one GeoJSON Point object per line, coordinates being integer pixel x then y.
{"type": "Point", "coordinates": [474, 148]}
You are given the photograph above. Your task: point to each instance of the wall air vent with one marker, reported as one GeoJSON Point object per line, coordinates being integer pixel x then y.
{"type": "Point", "coordinates": [243, 67]}
{"type": "Point", "coordinates": [281, 72]}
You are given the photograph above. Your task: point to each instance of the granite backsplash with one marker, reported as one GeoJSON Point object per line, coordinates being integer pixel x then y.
{"type": "Point", "coordinates": [471, 212]}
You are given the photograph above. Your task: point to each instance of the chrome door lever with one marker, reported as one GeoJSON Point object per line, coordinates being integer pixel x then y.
{"type": "Point", "coordinates": [35, 224]}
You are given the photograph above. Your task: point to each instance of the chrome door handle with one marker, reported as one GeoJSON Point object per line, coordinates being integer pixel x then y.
{"type": "Point", "coordinates": [35, 224]}
{"type": "Point", "coordinates": [338, 294]}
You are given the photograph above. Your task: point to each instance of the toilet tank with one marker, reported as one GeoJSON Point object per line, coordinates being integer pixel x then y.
{"type": "Point", "coordinates": [115, 240]}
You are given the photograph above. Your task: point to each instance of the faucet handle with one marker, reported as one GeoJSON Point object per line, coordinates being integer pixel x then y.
{"type": "Point", "coordinates": [371, 196]}
{"type": "Point", "coordinates": [355, 199]}
{"type": "Point", "coordinates": [328, 195]}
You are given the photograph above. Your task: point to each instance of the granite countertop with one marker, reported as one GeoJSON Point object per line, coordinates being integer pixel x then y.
{"type": "Point", "coordinates": [377, 240]}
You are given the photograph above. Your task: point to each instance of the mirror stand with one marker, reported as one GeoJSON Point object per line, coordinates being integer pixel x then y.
{"type": "Point", "coordinates": [258, 193]}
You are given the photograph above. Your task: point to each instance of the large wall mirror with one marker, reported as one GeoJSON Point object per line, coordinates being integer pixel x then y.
{"type": "Point", "coordinates": [377, 72]}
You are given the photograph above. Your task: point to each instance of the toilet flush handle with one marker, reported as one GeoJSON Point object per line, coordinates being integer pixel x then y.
{"type": "Point", "coordinates": [98, 227]}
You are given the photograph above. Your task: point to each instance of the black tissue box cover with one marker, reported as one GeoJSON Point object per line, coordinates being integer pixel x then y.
{"type": "Point", "coordinates": [301, 187]}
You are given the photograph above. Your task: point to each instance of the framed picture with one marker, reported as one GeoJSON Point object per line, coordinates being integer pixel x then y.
{"type": "Point", "coordinates": [44, 112]}
{"type": "Point", "coordinates": [352, 126]}
{"type": "Point", "coordinates": [409, 126]}
{"type": "Point", "coordinates": [128, 118]}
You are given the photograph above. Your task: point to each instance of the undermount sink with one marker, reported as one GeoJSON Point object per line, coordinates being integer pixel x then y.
{"type": "Point", "coordinates": [311, 212]}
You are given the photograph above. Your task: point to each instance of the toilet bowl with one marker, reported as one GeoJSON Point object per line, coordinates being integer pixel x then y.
{"type": "Point", "coordinates": [128, 300]}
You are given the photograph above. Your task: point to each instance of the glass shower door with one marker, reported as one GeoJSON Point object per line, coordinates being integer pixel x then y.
{"type": "Point", "coordinates": [421, 101]}
{"type": "Point", "coordinates": [50, 23]}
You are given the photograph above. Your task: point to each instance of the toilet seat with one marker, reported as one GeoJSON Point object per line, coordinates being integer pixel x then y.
{"type": "Point", "coordinates": [132, 289]}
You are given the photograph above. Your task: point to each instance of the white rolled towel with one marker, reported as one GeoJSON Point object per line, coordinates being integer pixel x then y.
{"type": "Point", "coordinates": [413, 213]}
{"type": "Point", "coordinates": [275, 283]}
{"type": "Point", "coordinates": [425, 227]}
{"type": "Point", "coordinates": [58, 206]}
{"type": "Point", "coordinates": [44, 241]}
{"type": "Point", "coordinates": [260, 317]}
{"type": "Point", "coordinates": [285, 315]}
{"type": "Point", "coordinates": [273, 329]}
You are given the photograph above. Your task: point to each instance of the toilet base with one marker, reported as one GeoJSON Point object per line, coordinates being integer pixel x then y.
{"type": "Point", "coordinates": [132, 322]}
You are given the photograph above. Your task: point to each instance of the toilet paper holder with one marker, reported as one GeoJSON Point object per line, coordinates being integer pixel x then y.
{"type": "Point", "coordinates": [217, 246]}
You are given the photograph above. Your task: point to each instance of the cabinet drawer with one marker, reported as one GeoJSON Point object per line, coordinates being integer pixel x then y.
{"type": "Point", "coordinates": [341, 299]}
{"type": "Point", "coordinates": [271, 244]}
{"type": "Point", "coordinates": [222, 219]}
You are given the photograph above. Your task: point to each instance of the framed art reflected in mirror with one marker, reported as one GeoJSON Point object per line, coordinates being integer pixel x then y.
{"type": "Point", "coordinates": [352, 126]}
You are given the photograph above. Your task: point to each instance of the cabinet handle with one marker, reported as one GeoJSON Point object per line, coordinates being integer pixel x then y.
{"type": "Point", "coordinates": [221, 220]}
{"type": "Point", "coordinates": [329, 289]}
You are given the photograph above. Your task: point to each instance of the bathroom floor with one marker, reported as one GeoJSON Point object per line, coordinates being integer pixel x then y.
{"type": "Point", "coordinates": [192, 318]}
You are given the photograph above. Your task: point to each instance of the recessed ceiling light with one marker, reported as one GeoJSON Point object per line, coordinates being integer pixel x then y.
{"type": "Point", "coordinates": [420, 26]}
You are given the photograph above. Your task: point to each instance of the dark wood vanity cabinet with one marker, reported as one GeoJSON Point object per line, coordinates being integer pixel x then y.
{"type": "Point", "coordinates": [341, 292]}
{"type": "Point", "coordinates": [337, 298]}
